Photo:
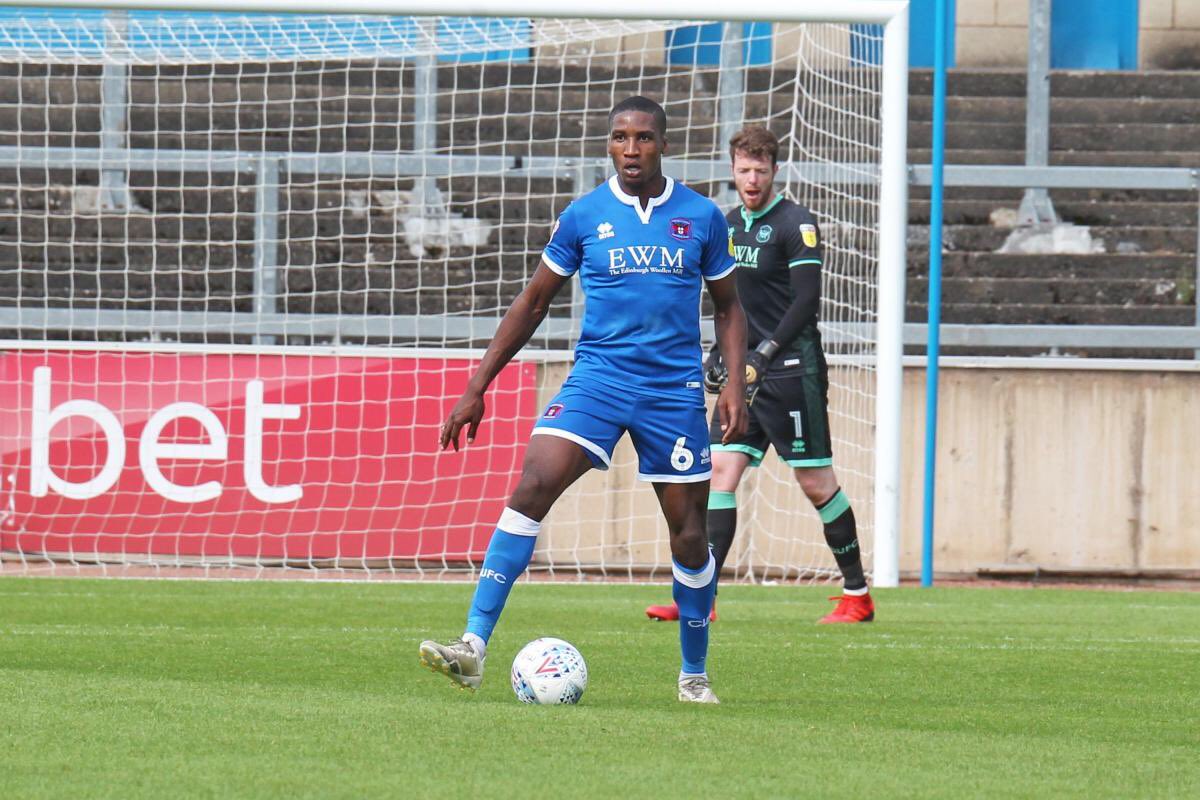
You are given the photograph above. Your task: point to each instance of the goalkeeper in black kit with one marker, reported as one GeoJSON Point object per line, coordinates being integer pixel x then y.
{"type": "Point", "coordinates": [779, 256]}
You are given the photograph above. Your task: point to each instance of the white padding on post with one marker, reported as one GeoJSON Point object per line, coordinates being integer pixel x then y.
{"type": "Point", "coordinates": [516, 523]}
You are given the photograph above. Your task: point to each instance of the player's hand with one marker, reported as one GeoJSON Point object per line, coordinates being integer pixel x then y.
{"type": "Point", "coordinates": [715, 373]}
{"type": "Point", "coordinates": [468, 412]}
{"type": "Point", "coordinates": [733, 412]}
{"type": "Point", "coordinates": [757, 363]}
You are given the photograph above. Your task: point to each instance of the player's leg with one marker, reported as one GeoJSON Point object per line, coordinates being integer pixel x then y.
{"type": "Point", "coordinates": [575, 437]}
{"type": "Point", "coordinates": [820, 485]}
{"type": "Point", "coordinates": [799, 430]}
{"type": "Point", "coordinates": [729, 462]}
{"type": "Point", "coordinates": [729, 465]}
{"type": "Point", "coordinates": [551, 465]}
{"type": "Point", "coordinates": [671, 440]}
{"type": "Point", "coordinates": [694, 582]}
{"type": "Point", "coordinates": [728, 468]}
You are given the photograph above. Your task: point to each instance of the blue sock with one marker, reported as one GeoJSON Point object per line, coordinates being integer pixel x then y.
{"type": "Point", "coordinates": [693, 590]}
{"type": "Point", "coordinates": [508, 555]}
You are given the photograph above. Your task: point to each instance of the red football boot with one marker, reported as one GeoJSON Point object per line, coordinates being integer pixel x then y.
{"type": "Point", "coordinates": [671, 613]}
{"type": "Point", "coordinates": [850, 608]}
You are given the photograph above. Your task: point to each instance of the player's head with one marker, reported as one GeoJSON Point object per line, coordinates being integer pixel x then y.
{"type": "Point", "coordinates": [637, 139]}
{"type": "Point", "coordinates": [755, 154]}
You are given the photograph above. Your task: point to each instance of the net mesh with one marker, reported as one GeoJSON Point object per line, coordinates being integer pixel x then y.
{"type": "Point", "coordinates": [277, 244]}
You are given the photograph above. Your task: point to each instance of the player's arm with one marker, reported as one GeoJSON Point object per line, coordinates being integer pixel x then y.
{"type": "Point", "coordinates": [804, 272]}
{"type": "Point", "coordinates": [516, 327]}
{"type": "Point", "coordinates": [806, 301]}
{"type": "Point", "coordinates": [730, 322]}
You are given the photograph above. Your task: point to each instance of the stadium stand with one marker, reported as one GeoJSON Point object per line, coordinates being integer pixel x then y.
{"type": "Point", "coordinates": [1142, 265]}
{"type": "Point", "coordinates": [349, 254]}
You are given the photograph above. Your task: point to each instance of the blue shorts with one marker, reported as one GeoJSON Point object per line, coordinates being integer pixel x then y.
{"type": "Point", "coordinates": [669, 434]}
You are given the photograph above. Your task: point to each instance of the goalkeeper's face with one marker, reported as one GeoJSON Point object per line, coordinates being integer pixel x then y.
{"type": "Point", "coordinates": [754, 179]}
{"type": "Point", "coordinates": [636, 147]}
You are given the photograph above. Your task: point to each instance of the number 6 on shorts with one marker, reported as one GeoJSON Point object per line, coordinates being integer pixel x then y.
{"type": "Point", "coordinates": [682, 458]}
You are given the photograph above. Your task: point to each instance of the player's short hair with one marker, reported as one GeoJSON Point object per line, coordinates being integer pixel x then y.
{"type": "Point", "coordinates": [756, 142]}
{"type": "Point", "coordinates": [645, 105]}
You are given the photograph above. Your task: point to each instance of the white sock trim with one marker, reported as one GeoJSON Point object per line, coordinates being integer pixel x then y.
{"type": "Point", "coordinates": [683, 676]}
{"type": "Point", "coordinates": [696, 580]}
{"type": "Point", "coordinates": [515, 522]}
{"type": "Point", "coordinates": [856, 592]}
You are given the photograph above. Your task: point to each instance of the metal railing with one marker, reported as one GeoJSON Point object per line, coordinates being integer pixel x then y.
{"type": "Point", "coordinates": [265, 322]}
{"type": "Point", "coordinates": [1117, 337]}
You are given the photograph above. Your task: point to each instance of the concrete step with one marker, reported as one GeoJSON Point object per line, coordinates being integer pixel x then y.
{"type": "Point", "coordinates": [328, 290]}
{"type": "Point", "coordinates": [1063, 110]}
{"type": "Point", "coordinates": [306, 80]}
{"type": "Point", "coordinates": [1118, 137]}
{"type": "Point", "coordinates": [348, 76]}
{"type": "Point", "coordinates": [1042, 291]}
{"type": "Point", "coordinates": [1012, 197]}
{"type": "Point", "coordinates": [977, 212]}
{"type": "Point", "coordinates": [1089, 158]}
{"type": "Point", "coordinates": [629, 79]}
{"type": "Point", "coordinates": [308, 127]}
{"type": "Point", "coordinates": [1063, 83]}
{"type": "Point", "coordinates": [984, 313]}
{"type": "Point", "coordinates": [134, 230]}
{"type": "Point", "coordinates": [986, 239]}
{"type": "Point", "coordinates": [1091, 267]}
{"type": "Point", "coordinates": [134, 284]}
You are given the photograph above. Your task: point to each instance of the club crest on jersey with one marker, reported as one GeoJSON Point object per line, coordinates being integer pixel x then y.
{"type": "Point", "coordinates": [605, 230]}
{"type": "Point", "coordinates": [681, 228]}
{"type": "Point", "coordinates": [764, 234]}
{"type": "Point", "coordinates": [809, 234]}
{"type": "Point", "coordinates": [553, 410]}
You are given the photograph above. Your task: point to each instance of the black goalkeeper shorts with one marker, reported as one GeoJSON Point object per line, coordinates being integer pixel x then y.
{"type": "Point", "coordinates": [791, 413]}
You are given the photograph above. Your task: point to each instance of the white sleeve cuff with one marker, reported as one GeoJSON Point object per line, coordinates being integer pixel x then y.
{"type": "Point", "coordinates": [555, 268]}
{"type": "Point", "coordinates": [719, 275]}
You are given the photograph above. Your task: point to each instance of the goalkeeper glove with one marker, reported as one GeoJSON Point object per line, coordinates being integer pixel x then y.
{"type": "Point", "coordinates": [715, 372]}
{"type": "Point", "coordinates": [756, 367]}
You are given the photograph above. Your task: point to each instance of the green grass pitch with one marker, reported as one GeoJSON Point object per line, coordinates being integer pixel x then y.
{"type": "Point", "coordinates": [117, 688]}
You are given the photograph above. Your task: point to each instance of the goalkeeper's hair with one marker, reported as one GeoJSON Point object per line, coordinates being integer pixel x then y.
{"type": "Point", "coordinates": [754, 141]}
{"type": "Point", "coordinates": [646, 106]}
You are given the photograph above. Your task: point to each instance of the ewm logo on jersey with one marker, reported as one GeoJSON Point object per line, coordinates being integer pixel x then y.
{"type": "Point", "coordinates": [643, 258]}
{"type": "Point", "coordinates": [746, 256]}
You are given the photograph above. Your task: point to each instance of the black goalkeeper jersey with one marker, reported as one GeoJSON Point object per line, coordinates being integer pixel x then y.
{"type": "Point", "coordinates": [768, 244]}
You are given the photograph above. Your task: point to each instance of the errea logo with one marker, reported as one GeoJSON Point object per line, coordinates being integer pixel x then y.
{"type": "Point", "coordinates": [605, 230]}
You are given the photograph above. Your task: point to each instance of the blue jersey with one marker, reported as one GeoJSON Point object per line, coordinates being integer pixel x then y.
{"type": "Point", "coordinates": [641, 271]}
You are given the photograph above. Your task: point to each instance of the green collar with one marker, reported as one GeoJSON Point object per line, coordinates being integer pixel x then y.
{"type": "Point", "coordinates": [748, 217]}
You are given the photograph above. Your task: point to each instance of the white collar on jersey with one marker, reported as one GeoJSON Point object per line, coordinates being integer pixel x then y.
{"type": "Point", "coordinates": [643, 213]}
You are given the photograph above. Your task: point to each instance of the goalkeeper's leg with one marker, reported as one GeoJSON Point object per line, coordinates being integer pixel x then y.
{"type": "Point", "coordinates": [841, 534]}
{"type": "Point", "coordinates": [797, 411]}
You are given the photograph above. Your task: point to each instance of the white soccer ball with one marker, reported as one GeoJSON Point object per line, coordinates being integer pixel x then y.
{"type": "Point", "coordinates": [548, 672]}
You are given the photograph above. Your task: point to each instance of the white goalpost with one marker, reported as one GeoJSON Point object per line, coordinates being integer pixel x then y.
{"type": "Point", "coordinates": [252, 250]}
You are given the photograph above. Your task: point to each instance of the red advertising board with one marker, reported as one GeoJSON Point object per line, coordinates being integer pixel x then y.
{"type": "Point", "coordinates": [272, 456]}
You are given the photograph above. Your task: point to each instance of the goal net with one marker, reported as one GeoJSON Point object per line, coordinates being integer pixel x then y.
{"type": "Point", "coordinates": [250, 260]}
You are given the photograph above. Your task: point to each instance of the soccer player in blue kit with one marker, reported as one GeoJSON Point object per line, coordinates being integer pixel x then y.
{"type": "Point", "coordinates": [643, 245]}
